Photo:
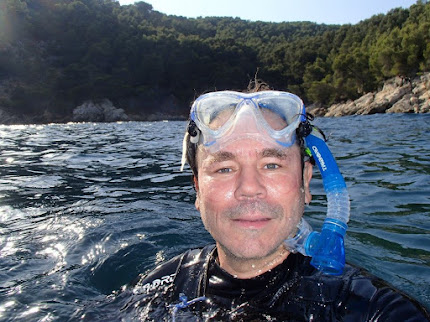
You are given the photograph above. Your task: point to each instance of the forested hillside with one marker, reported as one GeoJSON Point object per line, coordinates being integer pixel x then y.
{"type": "Point", "coordinates": [55, 54]}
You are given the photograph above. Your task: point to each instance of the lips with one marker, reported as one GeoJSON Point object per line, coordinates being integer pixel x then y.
{"type": "Point", "coordinates": [255, 223]}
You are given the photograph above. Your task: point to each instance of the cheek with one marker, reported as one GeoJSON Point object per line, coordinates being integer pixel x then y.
{"type": "Point", "coordinates": [212, 201]}
{"type": "Point", "coordinates": [215, 192]}
{"type": "Point", "coordinates": [285, 186]}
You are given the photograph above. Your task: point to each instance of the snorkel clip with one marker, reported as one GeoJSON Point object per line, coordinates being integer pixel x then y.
{"type": "Point", "coordinates": [193, 131]}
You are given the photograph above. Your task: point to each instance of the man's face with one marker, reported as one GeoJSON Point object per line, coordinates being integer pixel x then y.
{"type": "Point", "coordinates": [251, 196]}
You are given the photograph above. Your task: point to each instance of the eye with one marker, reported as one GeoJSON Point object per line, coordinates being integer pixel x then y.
{"type": "Point", "coordinates": [271, 166]}
{"type": "Point", "coordinates": [224, 170]}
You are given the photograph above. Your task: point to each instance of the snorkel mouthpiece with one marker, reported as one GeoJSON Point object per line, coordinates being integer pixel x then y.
{"type": "Point", "coordinates": [326, 248]}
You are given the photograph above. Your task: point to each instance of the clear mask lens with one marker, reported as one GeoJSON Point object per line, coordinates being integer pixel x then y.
{"type": "Point", "coordinates": [270, 113]}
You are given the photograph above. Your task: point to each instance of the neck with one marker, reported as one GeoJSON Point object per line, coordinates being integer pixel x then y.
{"type": "Point", "coordinates": [245, 268]}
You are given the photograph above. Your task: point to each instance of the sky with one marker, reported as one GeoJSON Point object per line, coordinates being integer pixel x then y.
{"type": "Point", "coordinates": [319, 11]}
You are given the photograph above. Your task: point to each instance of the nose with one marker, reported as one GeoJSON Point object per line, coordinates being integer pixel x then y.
{"type": "Point", "coordinates": [250, 185]}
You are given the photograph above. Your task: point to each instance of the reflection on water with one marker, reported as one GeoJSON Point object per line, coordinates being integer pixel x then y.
{"type": "Point", "coordinates": [85, 208]}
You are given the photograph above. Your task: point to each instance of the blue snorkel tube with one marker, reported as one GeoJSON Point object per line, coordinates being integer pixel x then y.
{"type": "Point", "coordinates": [327, 247]}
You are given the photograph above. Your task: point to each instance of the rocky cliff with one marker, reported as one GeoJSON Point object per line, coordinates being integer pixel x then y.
{"type": "Point", "coordinates": [398, 95]}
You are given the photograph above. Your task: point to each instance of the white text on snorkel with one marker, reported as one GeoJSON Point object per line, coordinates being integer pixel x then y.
{"type": "Point", "coordinates": [320, 158]}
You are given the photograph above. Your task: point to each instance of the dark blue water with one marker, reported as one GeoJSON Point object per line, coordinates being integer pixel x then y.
{"type": "Point", "coordinates": [85, 208]}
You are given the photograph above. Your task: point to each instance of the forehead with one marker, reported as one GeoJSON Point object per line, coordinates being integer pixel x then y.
{"type": "Point", "coordinates": [247, 151]}
{"type": "Point", "coordinates": [274, 120]}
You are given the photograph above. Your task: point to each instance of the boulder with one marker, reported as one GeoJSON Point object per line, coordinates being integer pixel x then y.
{"type": "Point", "coordinates": [341, 109]}
{"type": "Point", "coordinates": [362, 103]}
{"type": "Point", "coordinates": [423, 107]}
{"type": "Point", "coordinates": [316, 110]}
{"type": "Point", "coordinates": [386, 98]}
{"type": "Point", "coordinates": [335, 110]}
{"type": "Point", "coordinates": [98, 111]}
{"type": "Point", "coordinates": [404, 105]}
{"type": "Point", "coordinates": [421, 91]}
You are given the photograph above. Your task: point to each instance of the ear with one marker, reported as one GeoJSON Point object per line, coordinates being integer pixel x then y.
{"type": "Point", "coordinates": [196, 186]}
{"type": "Point", "coordinates": [307, 176]}
{"type": "Point", "coordinates": [196, 183]}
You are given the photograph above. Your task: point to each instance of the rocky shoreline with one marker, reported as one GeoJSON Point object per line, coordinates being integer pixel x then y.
{"type": "Point", "coordinates": [398, 95]}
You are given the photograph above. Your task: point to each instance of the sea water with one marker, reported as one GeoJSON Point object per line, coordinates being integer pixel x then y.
{"type": "Point", "coordinates": [85, 208]}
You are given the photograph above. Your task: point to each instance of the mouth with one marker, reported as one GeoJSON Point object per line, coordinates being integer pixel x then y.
{"type": "Point", "coordinates": [259, 223]}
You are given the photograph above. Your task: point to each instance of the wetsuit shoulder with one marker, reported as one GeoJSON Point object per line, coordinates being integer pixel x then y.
{"type": "Point", "coordinates": [356, 295]}
{"type": "Point", "coordinates": [369, 298]}
{"type": "Point", "coordinates": [176, 271]}
{"type": "Point", "coordinates": [160, 277]}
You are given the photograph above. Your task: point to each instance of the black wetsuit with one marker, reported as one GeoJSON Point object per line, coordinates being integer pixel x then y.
{"type": "Point", "coordinates": [293, 291]}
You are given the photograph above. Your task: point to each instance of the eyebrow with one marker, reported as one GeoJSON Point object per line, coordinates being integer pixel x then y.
{"type": "Point", "coordinates": [222, 156]}
{"type": "Point", "coordinates": [274, 153]}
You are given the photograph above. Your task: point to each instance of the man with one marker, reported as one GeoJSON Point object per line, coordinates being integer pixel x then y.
{"type": "Point", "coordinates": [251, 173]}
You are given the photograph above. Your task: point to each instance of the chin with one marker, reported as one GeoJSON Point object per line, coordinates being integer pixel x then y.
{"type": "Point", "coordinates": [250, 252]}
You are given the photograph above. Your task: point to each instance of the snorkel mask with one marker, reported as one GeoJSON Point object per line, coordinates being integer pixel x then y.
{"type": "Point", "coordinates": [223, 117]}
{"type": "Point", "coordinates": [219, 118]}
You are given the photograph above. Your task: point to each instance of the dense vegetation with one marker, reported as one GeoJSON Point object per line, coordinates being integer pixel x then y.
{"type": "Point", "coordinates": [54, 54]}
